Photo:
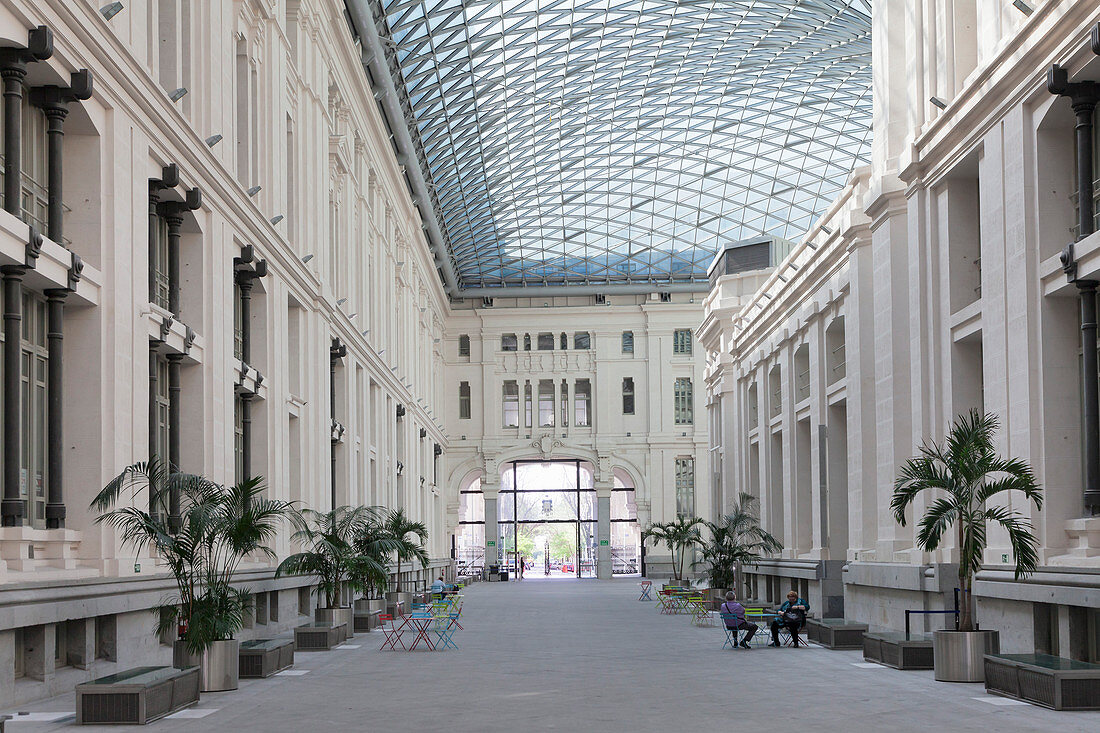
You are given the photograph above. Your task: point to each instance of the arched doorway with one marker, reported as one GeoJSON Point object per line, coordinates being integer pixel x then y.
{"type": "Point", "coordinates": [550, 518]}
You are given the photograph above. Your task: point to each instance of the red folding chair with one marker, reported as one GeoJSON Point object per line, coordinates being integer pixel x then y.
{"type": "Point", "coordinates": [393, 632]}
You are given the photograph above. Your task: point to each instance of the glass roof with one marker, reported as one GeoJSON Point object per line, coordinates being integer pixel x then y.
{"type": "Point", "coordinates": [615, 141]}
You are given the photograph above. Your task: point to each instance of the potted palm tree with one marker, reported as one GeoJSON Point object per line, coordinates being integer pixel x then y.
{"type": "Point", "coordinates": [964, 472]}
{"type": "Point", "coordinates": [218, 527]}
{"type": "Point", "coordinates": [399, 528]}
{"type": "Point", "coordinates": [374, 541]}
{"type": "Point", "coordinates": [329, 554]}
{"type": "Point", "coordinates": [736, 540]}
{"type": "Point", "coordinates": [679, 536]}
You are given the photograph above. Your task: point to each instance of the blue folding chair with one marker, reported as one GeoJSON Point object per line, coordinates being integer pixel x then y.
{"type": "Point", "coordinates": [445, 630]}
{"type": "Point", "coordinates": [731, 634]}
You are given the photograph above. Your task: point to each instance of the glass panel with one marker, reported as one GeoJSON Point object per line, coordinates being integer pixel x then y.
{"type": "Point", "coordinates": [546, 342]}
{"type": "Point", "coordinates": [582, 340]}
{"type": "Point", "coordinates": [582, 396]}
{"type": "Point", "coordinates": [464, 401]}
{"type": "Point", "coordinates": [758, 139]}
{"type": "Point", "coordinates": [628, 342]}
{"type": "Point", "coordinates": [685, 487]}
{"type": "Point", "coordinates": [546, 403]}
{"type": "Point", "coordinates": [464, 345]}
{"type": "Point", "coordinates": [508, 342]}
{"type": "Point", "coordinates": [628, 396]}
{"type": "Point", "coordinates": [511, 404]}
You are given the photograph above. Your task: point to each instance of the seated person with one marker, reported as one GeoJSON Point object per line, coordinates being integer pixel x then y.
{"type": "Point", "coordinates": [792, 616]}
{"type": "Point", "coordinates": [733, 613]}
{"type": "Point", "coordinates": [438, 586]}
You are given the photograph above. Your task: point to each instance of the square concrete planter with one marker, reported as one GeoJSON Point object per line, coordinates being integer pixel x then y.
{"type": "Point", "coordinates": [898, 650]}
{"type": "Point", "coordinates": [336, 617]}
{"type": "Point", "coordinates": [835, 633]}
{"type": "Point", "coordinates": [1053, 682]}
{"type": "Point", "coordinates": [136, 696]}
{"type": "Point", "coordinates": [318, 637]}
{"type": "Point", "coordinates": [264, 657]}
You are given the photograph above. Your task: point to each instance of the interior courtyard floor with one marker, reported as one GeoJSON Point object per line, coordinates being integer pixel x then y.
{"type": "Point", "coordinates": [586, 655]}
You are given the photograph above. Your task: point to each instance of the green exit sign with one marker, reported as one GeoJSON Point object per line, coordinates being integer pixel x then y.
{"type": "Point", "coordinates": [491, 543]}
{"type": "Point", "coordinates": [137, 567]}
{"type": "Point", "coordinates": [1004, 557]}
{"type": "Point", "coordinates": [604, 543]}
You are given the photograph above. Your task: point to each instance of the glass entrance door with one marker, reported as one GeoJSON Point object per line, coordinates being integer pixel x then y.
{"type": "Point", "coordinates": [547, 519]}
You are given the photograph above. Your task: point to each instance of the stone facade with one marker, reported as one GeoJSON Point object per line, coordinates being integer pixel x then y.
{"type": "Point", "coordinates": [932, 286]}
{"type": "Point", "coordinates": [263, 109]}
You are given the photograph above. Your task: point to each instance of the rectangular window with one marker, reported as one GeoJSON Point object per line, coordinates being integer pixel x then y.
{"type": "Point", "coordinates": [238, 438]}
{"type": "Point", "coordinates": [158, 263]}
{"type": "Point", "coordinates": [238, 323]}
{"type": "Point", "coordinates": [511, 404]}
{"type": "Point", "coordinates": [528, 409]}
{"type": "Point", "coordinates": [35, 166]}
{"type": "Point", "coordinates": [628, 395]}
{"type": "Point", "coordinates": [464, 345]}
{"type": "Point", "coordinates": [681, 341]}
{"type": "Point", "coordinates": [564, 403]}
{"type": "Point", "coordinates": [582, 340]}
{"type": "Point", "coordinates": [161, 407]}
{"type": "Point", "coordinates": [34, 365]}
{"type": "Point", "coordinates": [685, 487]}
{"type": "Point", "coordinates": [546, 403]}
{"type": "Point", "coordinates": [564, 342]}
{"type": "Point", "coordinates": [628, 342]}
{"type": "Point", "coordinates": [683, 402]}
{"type": "Point", "coordinates": [508, 342]}
{"type": "Point", "coordinates": [582, 402]}
{"type": "Point", "coordinates": [546, 342]}
{"type": "Point", "coordinates": [463, 400]}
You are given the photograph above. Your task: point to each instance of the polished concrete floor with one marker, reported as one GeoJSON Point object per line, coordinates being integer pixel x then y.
{"type": "Point", "coordinates": [584, 655]}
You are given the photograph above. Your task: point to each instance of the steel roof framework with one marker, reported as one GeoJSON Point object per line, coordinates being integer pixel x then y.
{"type": "Point", "coordinates": [626, 141]}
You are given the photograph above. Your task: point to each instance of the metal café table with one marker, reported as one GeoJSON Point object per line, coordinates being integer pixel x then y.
{"type": "Point", "coordinates": [422, 623]}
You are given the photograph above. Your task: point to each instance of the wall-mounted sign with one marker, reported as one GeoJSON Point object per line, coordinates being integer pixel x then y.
{"type": "Point", "coordinates": [491, 543]}
{"type": "Point", "coordinates": [605, 543]}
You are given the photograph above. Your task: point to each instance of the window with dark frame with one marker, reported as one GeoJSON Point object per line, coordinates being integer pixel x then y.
{"type": "Point", "coordinates": [582, 403]}
{"type": "Point", "coordinates": [546, 342]}
{"type": "Point", "coordinates": [582, 340]}
{"type": "Point", "coordinates": [508, 342]}
{"type": "Point", "coordinates": [683, 401]}
{"type": "Point", "coordinates": [464, 345]}
{"type": "Point", "coordinates": [628, 342]}
{"type": "Point", "coordinates": [681, 341]}
{"type": "Point", "coordinates": [628, 395]}
{"type": "Point", "coordinates": [463, 400]}
{"type": "Point", "coordinates": [510, 394]}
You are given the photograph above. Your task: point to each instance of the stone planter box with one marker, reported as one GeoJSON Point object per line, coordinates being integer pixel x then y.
{"type": "Point", "coordinates": [835, 633]}
{"type": "Point", "coordinates": [318, 637]}
{"type": "Point", "coordinates": [1053, 682]}
{"type": "Point", "coordinates": [264, 657]}
{"type": "Point", "coordinates": [336, 617]}
{"type": "Point", "coordinates": [136, 696]}
{"type": "Point", "coordinates": [898, 650]}
{"type": "Point", "coordinates": [218, 665]}
{"type": "Point", "coordinates": [365, 621]}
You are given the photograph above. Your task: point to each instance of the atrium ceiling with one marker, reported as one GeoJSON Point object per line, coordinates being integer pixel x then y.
{"type": "Point", "coordinates": [610, 142]}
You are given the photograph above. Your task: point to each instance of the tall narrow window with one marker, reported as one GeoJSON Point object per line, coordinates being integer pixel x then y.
{"type": "Point", "coordinates": [681, 341]}
{"type": "Point", "coordinates": [683, 405]}
{"type": "Point", "coordinates": [628, 342]}
{"type": "Point", "coordinates": [582, 403]}
{"type": "Point", "coordinates": [527, 407]}
{"type": "Point", "coordinates": [464, 345]}
{"type": "Point", "coordinates": [294, 315]}
{"type": "Point", "coordinates": [526, 342]}
{"type": "Point", "coordinates": [33, 426]}
{"type": "Point", "coordinates": [158, 255]}
{"type": "Point", "coordinates": [511, 404]}
{"type": "Point", "coordinates": [463, 400]}
{"type": "Point", "coordinates": [508, 342]}
{"type": "Point", "coordinates": [628, 395]}
{"type": "Point", "coordinates": [243, 107]}
{"type": "Point", "coordinates": [546, 403]}
{"type": "Point", "coordinates": [582, 340]}
{"type": "Point", "coordinates": [238, 323]}
{"type": "Point", "coordinates": [546, 342]}
{"type": "Point", "coordinates": [685, 487]}
{"type": "Point", "coordinates": [564, 403]}
{"type": "Point", "coordinates": [564, 342]}
{"type": "Point", "coordinates": [238, 438]}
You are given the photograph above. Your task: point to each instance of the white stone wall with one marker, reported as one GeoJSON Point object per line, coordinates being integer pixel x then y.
{"type": "Point", "coordinates": [347, 260]}
{"type": "Point", "coordinates": [942, 260]}
{"type": "Point", "coordinates": [642, 446]}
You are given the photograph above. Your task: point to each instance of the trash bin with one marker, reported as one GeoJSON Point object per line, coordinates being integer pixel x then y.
{"type": "Point", "coordinates": [504, 575]}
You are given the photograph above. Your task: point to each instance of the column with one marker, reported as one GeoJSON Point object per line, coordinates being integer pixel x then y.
{"type": "Point", "coordinates": [54, 102]}
{"type": "Point", "coordinates": [11, 509]}
{"type": "Point", "coordinates": [175, 223]}
{"type": "Point", "coordinates": [13, 69]}
{"type": "Point", "coordinates": [491, 492]}
{"type": "Point", "coordinates": [175, 406]}
{"type": "Point", "coordinates": [603, 530]}
{"type": "Point", "coordinates": [55, 501]}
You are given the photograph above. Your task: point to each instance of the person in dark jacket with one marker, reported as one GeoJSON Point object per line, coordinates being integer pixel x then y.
{"type": "Point", "coordinates": [792, 616]}
{"type": "Point", "coordinates": [733, 613]}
